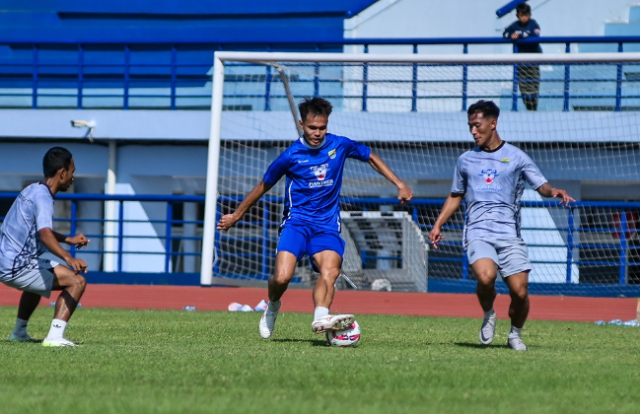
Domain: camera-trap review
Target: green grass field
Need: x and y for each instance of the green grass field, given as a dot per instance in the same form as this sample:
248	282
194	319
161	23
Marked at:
210	362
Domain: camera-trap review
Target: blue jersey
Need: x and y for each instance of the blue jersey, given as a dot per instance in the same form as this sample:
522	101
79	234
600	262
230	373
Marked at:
314	179
531	29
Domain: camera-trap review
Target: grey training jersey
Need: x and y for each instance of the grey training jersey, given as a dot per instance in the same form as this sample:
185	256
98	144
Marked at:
19	241
493	183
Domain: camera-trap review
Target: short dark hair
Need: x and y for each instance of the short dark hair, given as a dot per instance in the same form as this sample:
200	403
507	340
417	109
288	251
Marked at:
486	108
54	159
316	106
523	8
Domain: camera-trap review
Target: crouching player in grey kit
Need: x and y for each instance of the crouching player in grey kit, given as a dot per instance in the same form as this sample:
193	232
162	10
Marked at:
26	233
492	177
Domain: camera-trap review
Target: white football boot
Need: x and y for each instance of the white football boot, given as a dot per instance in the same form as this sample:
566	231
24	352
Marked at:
488	330
516	344
57	342
268	322
332	323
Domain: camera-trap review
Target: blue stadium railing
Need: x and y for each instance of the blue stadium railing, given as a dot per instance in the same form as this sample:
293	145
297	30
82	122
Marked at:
36	72
621	259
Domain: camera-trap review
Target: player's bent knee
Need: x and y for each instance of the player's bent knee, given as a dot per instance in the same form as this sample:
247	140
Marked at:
281	278
330	275
65	277
330	271
80	281
486	280
519	294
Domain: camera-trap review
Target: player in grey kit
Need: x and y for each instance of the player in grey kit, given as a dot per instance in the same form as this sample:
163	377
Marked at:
27	232
492	176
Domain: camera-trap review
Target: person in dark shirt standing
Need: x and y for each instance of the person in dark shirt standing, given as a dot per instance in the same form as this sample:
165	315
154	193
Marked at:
528	75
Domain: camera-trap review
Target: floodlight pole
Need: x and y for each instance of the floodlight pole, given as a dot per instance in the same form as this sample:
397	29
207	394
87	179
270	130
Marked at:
213	157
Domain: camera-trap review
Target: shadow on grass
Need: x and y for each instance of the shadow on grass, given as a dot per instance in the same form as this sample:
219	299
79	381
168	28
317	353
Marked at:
478	346
313	342
32	341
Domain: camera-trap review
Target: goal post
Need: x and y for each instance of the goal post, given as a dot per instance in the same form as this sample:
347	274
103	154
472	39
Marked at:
414	118
213	156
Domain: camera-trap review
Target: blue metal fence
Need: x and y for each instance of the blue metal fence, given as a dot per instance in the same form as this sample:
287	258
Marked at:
622	257
81	77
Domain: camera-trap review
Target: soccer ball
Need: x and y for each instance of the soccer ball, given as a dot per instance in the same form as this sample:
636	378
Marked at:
346	338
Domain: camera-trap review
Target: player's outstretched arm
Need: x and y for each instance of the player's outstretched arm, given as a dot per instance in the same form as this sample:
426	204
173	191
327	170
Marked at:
451	205
547	190
404	192
51	241
229	220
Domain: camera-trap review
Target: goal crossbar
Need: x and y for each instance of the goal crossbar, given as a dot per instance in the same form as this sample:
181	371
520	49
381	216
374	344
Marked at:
263	57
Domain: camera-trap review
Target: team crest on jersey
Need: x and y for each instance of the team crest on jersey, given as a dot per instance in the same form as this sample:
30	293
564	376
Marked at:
489	175
332	154
320	171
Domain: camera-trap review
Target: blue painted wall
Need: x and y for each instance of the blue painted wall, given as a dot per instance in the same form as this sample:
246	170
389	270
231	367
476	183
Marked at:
44	40
171	21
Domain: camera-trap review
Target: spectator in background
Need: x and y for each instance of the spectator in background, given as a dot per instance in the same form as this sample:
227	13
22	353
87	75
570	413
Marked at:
528	75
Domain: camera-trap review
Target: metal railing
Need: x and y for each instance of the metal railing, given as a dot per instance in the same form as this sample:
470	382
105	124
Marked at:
80	74
617	247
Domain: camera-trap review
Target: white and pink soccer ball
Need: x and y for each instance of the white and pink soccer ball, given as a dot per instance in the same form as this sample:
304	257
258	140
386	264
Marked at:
345	338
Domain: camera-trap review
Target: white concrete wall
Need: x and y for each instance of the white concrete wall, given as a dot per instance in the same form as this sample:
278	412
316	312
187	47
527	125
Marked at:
170	127
465	18
141	170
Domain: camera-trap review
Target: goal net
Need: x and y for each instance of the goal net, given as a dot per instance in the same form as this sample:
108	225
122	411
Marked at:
411	111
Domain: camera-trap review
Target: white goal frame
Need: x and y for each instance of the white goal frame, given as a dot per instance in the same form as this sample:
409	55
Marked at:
269	58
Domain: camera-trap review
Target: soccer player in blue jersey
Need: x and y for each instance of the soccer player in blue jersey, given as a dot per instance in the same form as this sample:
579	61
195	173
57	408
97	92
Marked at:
27	231
313	166
492	176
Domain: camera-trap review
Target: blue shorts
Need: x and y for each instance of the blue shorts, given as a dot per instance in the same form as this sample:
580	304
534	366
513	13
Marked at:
299	240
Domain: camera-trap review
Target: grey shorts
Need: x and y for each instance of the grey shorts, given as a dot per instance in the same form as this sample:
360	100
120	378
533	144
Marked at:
511	255
36	277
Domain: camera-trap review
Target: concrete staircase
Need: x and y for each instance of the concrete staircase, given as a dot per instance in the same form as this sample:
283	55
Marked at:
390	235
